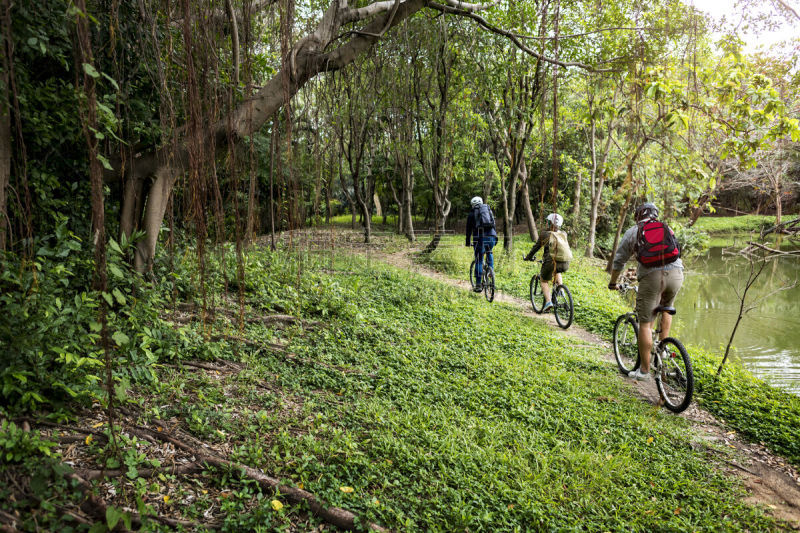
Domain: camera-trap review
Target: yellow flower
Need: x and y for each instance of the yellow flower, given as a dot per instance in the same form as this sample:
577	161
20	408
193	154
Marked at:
276	505
166	498
649	440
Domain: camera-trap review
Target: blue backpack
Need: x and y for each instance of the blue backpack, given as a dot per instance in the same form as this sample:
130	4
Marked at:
484	218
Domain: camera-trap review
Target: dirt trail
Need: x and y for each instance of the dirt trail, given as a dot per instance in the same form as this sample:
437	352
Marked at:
769	479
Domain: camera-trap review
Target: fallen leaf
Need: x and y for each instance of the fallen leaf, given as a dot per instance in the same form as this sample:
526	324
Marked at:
677	511
300	485
89	440
166	498
97	425
346	490
276	505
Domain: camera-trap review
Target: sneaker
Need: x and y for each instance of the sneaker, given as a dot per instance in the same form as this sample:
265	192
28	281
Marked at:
639	375
478	288
547	306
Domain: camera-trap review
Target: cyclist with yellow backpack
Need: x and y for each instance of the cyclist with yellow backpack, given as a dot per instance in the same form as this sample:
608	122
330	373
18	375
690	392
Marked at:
556	255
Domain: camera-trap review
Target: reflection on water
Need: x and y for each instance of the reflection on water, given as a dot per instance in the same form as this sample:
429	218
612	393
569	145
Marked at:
768	338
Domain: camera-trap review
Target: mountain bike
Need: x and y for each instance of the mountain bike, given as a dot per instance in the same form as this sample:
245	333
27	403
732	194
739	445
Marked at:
669	361
487	276
563	307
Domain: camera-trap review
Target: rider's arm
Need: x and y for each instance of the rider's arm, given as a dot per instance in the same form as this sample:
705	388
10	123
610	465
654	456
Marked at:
624	252
535	248
470	224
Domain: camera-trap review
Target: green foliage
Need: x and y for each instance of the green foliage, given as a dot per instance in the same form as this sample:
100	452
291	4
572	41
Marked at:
442	396
758	411
16	444
691	239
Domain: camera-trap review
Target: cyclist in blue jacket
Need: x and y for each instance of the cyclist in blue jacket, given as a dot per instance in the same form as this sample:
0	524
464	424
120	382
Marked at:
481	225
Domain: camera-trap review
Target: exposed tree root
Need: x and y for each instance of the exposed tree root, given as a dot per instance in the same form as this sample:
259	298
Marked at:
333	515
183	470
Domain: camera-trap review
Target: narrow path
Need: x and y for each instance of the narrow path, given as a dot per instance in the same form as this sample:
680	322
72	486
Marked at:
769	479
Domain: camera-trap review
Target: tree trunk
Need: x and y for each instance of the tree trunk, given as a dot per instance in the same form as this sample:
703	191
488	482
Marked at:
526	203
488	181
5	160
778	201
576	203
408	193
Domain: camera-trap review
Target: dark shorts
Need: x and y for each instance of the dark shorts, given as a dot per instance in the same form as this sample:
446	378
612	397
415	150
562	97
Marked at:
549	265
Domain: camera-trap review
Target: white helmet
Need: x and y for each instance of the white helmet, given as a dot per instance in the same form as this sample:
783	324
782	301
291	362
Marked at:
476	201
555	219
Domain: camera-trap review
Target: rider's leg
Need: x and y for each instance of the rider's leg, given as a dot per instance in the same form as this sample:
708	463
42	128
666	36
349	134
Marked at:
666	322
546	290
548	268
645	343
478	262
558	279
491	241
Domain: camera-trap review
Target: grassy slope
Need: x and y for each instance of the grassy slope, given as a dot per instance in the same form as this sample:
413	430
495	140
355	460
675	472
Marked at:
445	413
440	411
760	412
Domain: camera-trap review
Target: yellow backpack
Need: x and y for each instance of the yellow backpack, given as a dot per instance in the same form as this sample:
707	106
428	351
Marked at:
559	247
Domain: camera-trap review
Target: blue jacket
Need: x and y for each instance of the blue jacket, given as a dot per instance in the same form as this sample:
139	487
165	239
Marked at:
472	227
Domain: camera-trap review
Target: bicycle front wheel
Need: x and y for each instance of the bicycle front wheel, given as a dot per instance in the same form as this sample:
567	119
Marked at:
674	378
537	296
472	279
562	306
488	284
626	346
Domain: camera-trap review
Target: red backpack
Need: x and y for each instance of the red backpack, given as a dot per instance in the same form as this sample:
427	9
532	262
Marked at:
656	244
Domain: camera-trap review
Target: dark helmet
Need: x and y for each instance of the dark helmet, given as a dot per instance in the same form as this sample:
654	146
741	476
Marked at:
646	210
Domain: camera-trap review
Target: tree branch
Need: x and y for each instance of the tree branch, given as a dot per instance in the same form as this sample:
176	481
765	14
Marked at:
512	37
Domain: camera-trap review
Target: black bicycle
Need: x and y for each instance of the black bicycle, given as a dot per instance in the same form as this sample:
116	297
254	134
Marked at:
669	359
487	276
563	307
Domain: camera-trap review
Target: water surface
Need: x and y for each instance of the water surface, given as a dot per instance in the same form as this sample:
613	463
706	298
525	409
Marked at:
768	338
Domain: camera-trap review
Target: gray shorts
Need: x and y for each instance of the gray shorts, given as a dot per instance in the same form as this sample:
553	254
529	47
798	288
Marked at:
659	287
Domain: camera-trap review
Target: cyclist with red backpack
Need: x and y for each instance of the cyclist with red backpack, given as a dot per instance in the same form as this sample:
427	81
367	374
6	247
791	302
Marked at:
660	275
480	223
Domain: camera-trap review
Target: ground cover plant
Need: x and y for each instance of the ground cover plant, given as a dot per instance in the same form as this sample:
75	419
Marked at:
757	410
413	404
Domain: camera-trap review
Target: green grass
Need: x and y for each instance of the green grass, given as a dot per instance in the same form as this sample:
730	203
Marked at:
760	412
448	414
391	220
440	411
738	224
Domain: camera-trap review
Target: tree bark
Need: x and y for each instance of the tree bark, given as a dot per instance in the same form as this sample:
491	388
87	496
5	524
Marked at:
5	160
5	128
576	203
526	202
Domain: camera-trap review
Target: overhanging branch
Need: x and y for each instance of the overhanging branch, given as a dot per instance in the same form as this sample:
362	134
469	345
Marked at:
512	37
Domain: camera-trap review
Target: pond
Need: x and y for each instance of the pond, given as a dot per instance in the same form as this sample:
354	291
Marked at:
768	338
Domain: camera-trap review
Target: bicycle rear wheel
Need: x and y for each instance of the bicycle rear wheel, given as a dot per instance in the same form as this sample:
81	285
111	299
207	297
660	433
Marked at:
472	274
562	306
488	283
536	294
626	346
674	379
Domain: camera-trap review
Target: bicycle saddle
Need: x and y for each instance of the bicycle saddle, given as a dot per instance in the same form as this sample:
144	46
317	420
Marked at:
665	309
